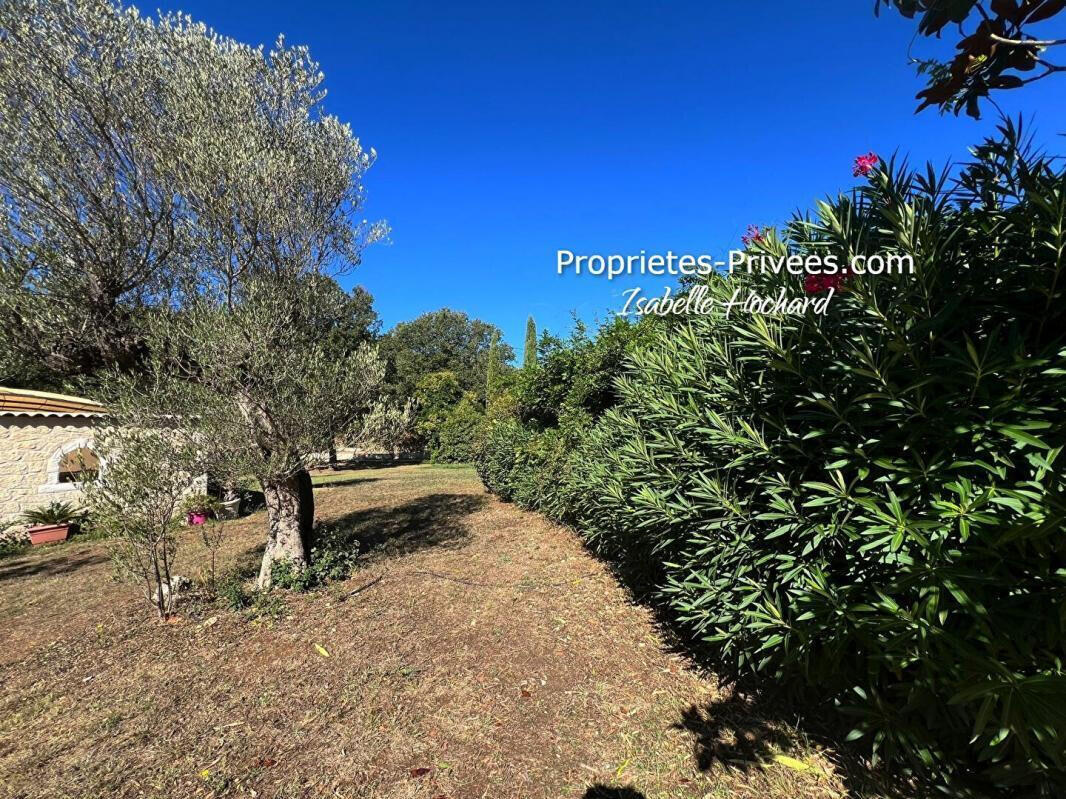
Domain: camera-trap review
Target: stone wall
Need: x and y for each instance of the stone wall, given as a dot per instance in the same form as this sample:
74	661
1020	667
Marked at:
30	449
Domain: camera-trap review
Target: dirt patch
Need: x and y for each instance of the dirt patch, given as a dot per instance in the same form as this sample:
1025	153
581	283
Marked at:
479	652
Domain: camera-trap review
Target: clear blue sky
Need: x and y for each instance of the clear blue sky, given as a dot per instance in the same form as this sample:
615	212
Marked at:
507	132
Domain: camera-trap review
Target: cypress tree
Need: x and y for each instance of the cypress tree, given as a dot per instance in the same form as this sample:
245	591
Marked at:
492	369
529	358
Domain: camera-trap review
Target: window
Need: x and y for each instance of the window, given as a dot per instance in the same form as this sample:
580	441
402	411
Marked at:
69	465
81	464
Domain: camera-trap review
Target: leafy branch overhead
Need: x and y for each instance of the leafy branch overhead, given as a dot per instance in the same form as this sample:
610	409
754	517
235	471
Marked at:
1001	52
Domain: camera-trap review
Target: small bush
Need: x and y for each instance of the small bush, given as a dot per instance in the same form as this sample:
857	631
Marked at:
499	455
230	589
12	545
457	436
334	555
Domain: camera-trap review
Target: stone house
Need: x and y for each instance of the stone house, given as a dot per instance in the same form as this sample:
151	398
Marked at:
46	445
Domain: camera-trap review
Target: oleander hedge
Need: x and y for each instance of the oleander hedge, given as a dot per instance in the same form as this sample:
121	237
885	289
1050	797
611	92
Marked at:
870	505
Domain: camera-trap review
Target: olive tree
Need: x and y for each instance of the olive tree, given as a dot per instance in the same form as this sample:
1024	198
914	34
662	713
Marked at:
150	468
194	190
264	390
92	229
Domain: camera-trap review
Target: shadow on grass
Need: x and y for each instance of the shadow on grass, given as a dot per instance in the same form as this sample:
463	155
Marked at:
728	732
744	733
358	465
753	720
433	520
19	568
328	481
609	792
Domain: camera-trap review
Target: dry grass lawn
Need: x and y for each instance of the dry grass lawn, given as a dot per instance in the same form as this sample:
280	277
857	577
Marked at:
479	651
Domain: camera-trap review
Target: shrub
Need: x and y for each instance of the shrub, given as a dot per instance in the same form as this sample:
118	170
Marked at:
232	592
54	513
499	454
13	540
436	394
138	503
457	435
526	448
871	503
334	555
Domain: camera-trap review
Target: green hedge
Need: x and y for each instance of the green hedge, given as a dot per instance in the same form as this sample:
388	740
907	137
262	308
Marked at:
871	503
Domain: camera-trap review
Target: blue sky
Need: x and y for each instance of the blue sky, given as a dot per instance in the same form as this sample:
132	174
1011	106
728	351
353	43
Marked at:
507	131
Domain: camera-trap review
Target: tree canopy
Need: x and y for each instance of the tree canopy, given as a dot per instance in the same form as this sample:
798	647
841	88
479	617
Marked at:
441	341
999	52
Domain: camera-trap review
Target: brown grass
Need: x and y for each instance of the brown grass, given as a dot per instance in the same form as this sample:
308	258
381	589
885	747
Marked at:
479	652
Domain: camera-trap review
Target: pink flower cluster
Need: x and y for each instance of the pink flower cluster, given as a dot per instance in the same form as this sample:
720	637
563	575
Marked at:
865	164
816	284
753	234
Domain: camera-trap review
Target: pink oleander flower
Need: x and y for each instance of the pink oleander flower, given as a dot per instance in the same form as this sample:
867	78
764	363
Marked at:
816	284
753	234
865	164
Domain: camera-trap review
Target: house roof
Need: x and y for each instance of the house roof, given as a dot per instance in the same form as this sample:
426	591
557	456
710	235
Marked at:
20	402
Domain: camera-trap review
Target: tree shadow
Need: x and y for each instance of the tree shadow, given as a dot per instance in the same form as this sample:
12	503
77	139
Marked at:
19	568
434	520
609	792
730	732
744	733
343	481
371	462
753	719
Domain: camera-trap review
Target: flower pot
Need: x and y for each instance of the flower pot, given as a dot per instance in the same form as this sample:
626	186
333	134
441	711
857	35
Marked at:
196	517
230	508
48	533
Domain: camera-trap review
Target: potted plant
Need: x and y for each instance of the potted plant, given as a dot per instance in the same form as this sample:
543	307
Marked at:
230	506
52	523
199	508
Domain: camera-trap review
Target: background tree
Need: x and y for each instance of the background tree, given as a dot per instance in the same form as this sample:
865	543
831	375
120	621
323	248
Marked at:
529	354
357	323
439	341
1000	52
437	393
494	370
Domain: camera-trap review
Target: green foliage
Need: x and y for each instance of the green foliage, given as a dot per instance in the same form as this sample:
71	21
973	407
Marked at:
54	513
495	370
532	429
435	396
1001	52
334	555
231	591
870	504
529	353
458	435
500	455
12	545
440	341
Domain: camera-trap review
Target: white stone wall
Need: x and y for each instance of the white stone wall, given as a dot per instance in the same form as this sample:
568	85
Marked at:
30	448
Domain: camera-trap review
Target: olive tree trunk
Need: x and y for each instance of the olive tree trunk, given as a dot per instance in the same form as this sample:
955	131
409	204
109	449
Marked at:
290	507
